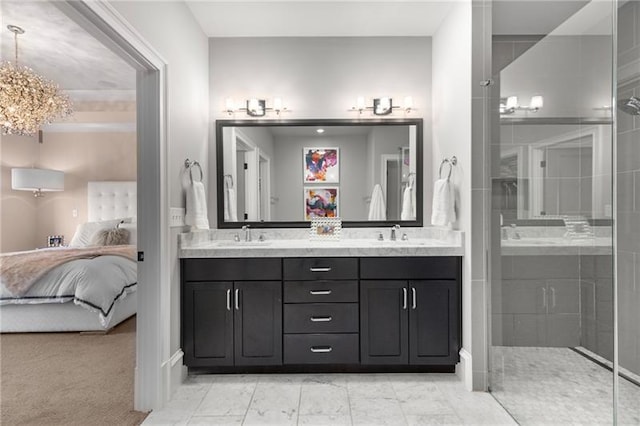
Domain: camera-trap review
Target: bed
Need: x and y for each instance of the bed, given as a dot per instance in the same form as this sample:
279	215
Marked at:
90	288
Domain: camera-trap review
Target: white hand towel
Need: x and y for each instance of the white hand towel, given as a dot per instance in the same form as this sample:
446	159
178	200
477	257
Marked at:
196	214
377	208
408	211
230	205
443	203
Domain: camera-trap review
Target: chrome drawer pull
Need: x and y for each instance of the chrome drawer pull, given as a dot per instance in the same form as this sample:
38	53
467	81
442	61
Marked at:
321	319
321	349
320	292
237	299
228	299
319	269
414	304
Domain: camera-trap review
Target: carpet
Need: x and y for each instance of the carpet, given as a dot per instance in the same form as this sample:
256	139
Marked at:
69	378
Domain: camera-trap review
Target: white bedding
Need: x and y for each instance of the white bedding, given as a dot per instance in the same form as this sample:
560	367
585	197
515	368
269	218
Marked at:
96	284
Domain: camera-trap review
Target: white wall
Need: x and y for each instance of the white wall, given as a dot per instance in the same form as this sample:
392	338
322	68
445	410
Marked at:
568	71
452	133
321	78
170	29
352	188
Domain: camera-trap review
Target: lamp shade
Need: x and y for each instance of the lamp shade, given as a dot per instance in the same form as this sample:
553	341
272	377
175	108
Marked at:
37	180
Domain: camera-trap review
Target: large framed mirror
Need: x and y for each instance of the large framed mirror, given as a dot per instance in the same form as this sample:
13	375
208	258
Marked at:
555	168
284	173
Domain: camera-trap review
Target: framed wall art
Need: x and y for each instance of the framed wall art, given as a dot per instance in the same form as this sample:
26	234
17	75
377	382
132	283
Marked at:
320	202
321	165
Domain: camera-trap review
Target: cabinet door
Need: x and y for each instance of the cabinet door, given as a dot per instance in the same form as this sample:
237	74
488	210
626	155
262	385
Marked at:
258	323
383	322
433	322
207	338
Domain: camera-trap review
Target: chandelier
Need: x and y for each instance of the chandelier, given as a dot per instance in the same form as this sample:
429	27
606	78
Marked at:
27	100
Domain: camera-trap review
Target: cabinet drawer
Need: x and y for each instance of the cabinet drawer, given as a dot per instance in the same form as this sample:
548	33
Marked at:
239	269
408	268
321	349
321	318
321	268
320	291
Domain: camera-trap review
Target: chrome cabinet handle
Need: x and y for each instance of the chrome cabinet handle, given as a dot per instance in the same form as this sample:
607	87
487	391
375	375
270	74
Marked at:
320	292
414	303
321	349
404	298
544	297
228	299
553	297
318	269
321	319
237	299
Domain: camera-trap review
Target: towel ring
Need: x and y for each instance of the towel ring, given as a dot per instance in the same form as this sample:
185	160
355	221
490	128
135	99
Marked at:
189	165
445	161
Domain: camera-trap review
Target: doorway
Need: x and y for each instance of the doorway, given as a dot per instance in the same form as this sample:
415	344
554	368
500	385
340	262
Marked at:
103	22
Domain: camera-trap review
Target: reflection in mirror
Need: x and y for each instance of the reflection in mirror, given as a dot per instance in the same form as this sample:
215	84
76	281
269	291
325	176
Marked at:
285	173
552	170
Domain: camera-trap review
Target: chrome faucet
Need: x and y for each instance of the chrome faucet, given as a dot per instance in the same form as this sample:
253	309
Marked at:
247	232
394	228
514	232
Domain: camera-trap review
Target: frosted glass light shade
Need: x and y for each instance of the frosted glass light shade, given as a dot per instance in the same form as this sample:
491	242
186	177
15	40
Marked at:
537	102
42	180
512	102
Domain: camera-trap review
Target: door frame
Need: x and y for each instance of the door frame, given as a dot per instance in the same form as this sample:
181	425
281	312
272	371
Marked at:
154	363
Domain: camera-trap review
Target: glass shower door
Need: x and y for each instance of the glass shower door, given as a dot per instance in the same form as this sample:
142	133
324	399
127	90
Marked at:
552	287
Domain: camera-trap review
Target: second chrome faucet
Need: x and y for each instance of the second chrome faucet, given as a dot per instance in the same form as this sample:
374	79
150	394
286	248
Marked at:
394	228
247	232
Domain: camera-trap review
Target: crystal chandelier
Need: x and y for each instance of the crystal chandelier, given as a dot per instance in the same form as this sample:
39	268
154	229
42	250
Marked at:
27	100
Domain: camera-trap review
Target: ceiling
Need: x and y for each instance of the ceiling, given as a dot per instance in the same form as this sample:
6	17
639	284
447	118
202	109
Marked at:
313	18
59	49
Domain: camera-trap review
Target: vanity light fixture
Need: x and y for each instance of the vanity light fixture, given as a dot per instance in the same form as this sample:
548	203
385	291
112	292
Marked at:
255	107
510	105
382	105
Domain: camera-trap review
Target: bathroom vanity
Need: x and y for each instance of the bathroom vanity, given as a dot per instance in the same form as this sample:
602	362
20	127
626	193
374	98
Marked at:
353	305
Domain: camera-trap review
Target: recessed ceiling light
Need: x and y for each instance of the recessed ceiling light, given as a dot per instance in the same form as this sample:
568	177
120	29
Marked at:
320	130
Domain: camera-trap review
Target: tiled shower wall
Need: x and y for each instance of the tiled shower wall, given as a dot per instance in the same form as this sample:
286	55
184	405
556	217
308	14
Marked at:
628	187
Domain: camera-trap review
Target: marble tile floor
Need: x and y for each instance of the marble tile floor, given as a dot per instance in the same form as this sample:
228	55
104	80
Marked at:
557	386
328	399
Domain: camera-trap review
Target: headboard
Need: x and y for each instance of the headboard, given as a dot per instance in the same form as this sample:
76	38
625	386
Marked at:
111	200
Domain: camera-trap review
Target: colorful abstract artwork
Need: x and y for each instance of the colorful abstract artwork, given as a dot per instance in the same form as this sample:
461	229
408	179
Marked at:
320	202
321	165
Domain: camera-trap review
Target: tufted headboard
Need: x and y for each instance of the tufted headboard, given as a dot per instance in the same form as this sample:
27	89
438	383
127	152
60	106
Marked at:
111	200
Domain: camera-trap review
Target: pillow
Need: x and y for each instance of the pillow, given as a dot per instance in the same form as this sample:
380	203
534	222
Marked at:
86	231
133	232
111	237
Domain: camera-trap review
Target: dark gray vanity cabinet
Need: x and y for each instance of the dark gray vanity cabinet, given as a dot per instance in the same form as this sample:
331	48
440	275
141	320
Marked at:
349	314
207	323
231	312
413	320
321	311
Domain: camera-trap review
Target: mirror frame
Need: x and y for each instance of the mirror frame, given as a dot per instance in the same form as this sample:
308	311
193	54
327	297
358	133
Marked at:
221	124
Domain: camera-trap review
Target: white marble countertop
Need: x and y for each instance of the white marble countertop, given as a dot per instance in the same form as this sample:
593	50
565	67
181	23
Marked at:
296	243
551	246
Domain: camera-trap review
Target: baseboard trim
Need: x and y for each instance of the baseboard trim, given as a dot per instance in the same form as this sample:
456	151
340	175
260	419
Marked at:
174	373
464	369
